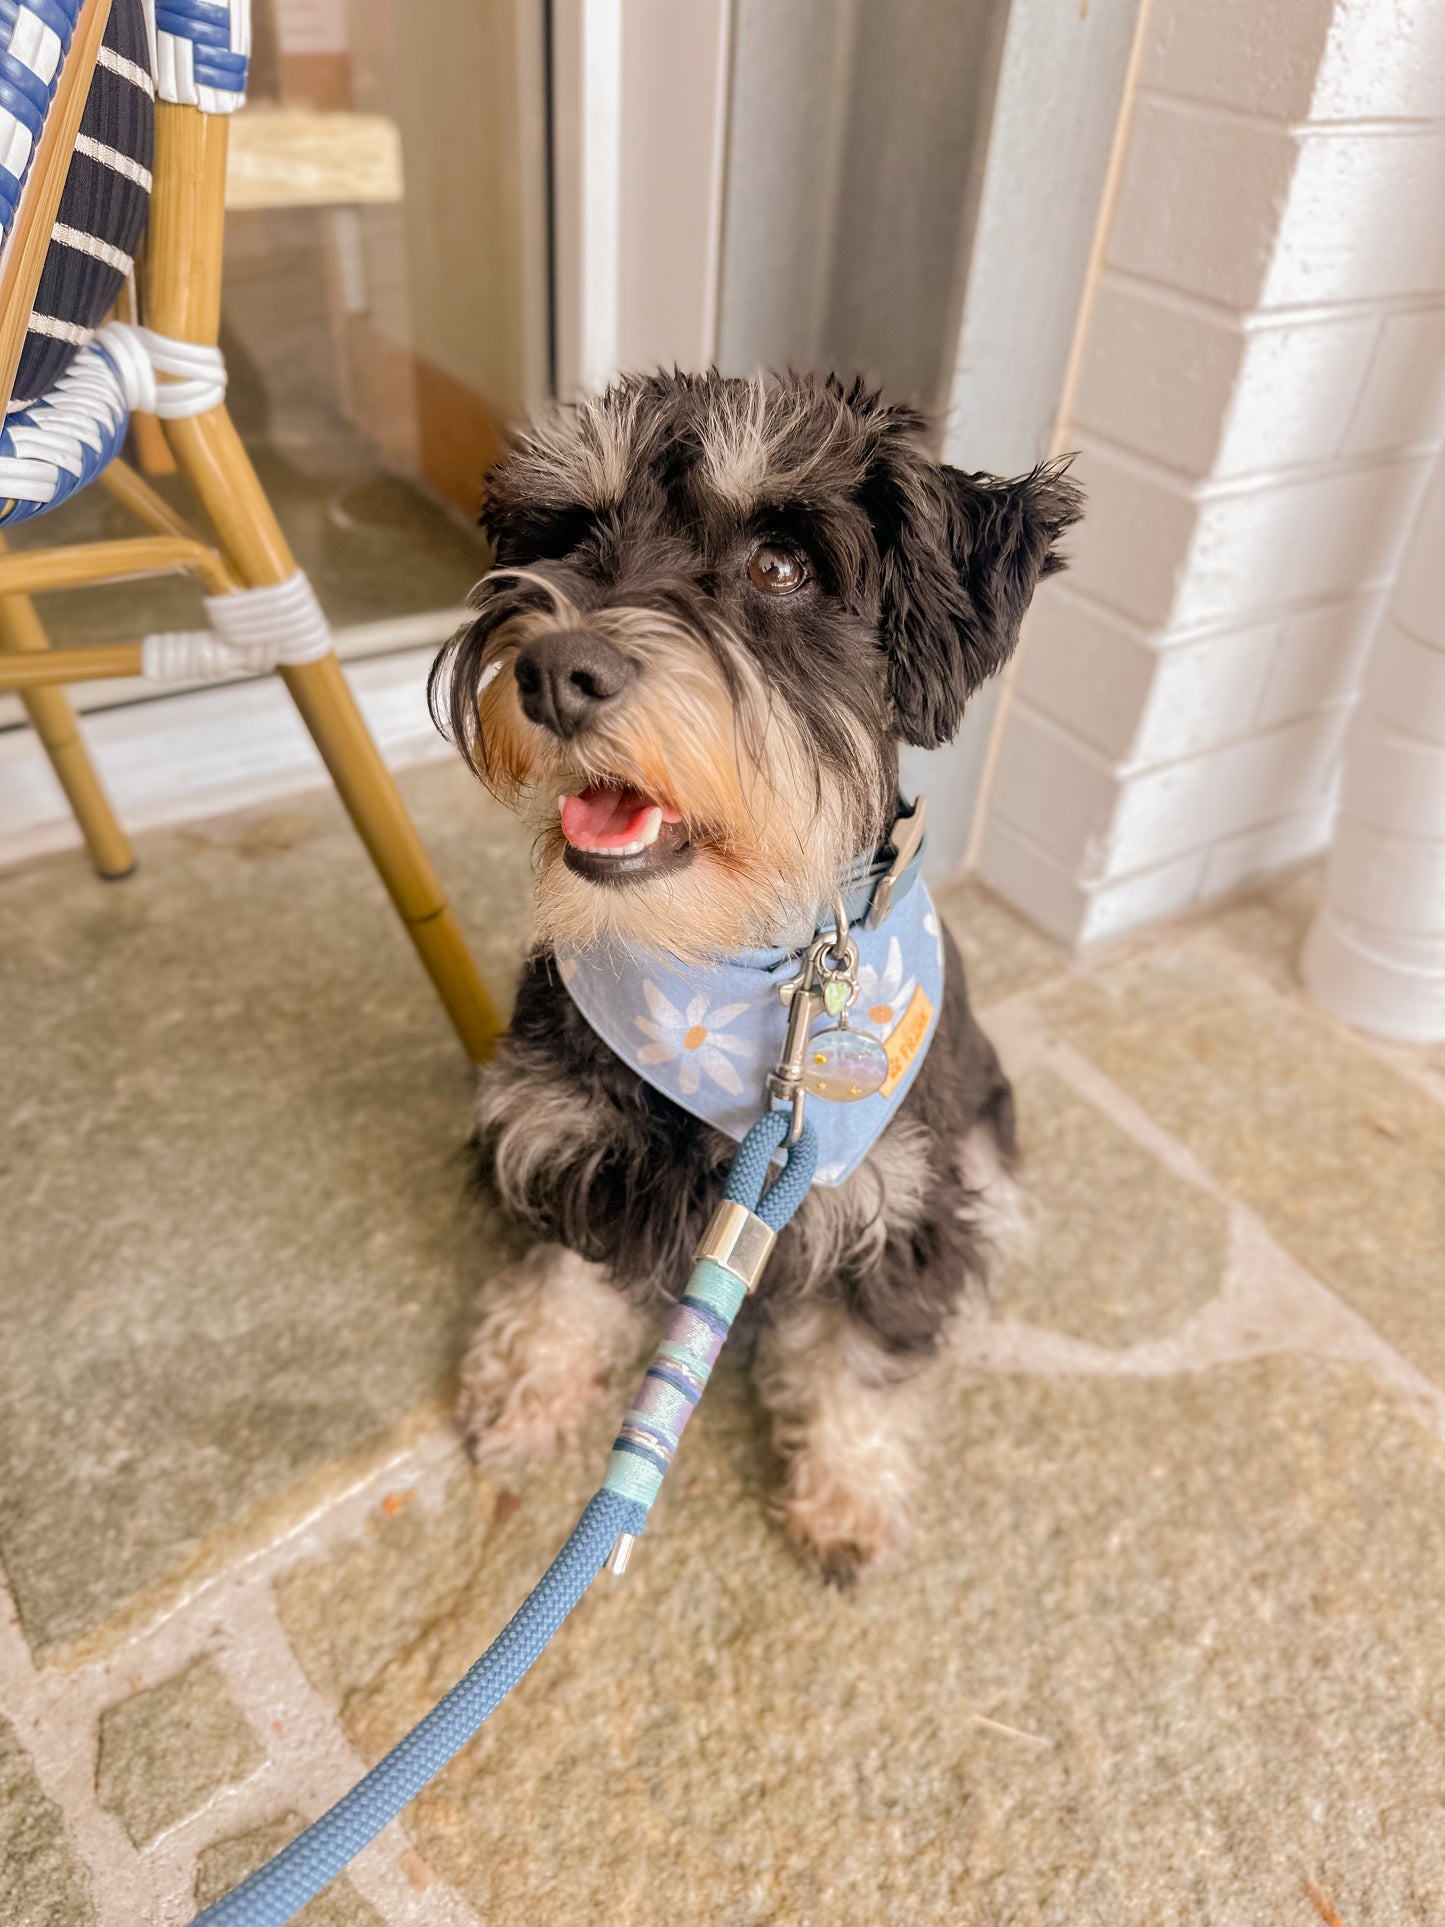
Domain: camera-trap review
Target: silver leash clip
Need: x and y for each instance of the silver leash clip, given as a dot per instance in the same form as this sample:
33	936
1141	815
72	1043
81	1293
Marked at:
826	983
785	1083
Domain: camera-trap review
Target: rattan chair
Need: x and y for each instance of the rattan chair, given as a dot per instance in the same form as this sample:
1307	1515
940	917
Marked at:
75	197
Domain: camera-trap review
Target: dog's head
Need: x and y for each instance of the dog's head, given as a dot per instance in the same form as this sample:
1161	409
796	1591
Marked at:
718	607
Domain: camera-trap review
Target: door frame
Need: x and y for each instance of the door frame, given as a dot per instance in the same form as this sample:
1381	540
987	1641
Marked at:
639	154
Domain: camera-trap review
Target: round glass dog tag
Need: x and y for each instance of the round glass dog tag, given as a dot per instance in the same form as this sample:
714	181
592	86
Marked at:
844	1065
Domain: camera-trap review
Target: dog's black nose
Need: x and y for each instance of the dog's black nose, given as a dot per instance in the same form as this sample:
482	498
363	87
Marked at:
565	678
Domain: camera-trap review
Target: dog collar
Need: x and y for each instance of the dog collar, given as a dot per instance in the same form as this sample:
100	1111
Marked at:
872	886
707	1035
885	875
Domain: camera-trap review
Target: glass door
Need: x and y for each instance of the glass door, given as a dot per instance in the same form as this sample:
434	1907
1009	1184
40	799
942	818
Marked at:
385	312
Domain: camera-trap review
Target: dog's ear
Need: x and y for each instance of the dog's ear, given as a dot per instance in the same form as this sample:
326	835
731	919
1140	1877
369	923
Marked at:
961	556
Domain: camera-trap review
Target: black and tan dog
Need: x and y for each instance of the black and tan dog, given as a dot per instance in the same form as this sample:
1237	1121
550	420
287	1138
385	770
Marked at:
718	608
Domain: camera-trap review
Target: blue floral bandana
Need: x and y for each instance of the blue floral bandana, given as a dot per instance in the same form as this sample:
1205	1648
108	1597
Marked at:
707	1035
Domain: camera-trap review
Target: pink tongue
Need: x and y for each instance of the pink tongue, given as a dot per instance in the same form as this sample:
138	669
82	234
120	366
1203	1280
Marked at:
605	816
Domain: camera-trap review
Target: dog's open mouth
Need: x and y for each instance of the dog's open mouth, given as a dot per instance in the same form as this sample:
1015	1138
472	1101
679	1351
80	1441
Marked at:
618	834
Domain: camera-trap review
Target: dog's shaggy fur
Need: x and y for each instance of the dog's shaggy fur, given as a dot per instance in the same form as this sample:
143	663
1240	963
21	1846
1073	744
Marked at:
633	634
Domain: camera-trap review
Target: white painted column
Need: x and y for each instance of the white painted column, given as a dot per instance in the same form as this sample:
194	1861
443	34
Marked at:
1060	89
1376	954
1259	403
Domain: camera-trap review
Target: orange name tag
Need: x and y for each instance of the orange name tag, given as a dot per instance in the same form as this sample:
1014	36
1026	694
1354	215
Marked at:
905	1040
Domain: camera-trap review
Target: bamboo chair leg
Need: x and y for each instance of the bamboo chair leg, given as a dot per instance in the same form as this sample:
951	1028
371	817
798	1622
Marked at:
152	451
212	455
54	722
183	298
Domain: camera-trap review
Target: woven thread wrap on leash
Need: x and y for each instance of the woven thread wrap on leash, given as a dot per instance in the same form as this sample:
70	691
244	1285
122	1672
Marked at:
730	1261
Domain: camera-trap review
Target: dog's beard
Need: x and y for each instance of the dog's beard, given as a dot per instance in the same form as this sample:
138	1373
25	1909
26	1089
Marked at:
768	826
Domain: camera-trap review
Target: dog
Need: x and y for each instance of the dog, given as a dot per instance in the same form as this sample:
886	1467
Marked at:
717	609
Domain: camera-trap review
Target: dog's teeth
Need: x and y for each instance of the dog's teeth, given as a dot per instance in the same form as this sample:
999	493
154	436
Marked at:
651	829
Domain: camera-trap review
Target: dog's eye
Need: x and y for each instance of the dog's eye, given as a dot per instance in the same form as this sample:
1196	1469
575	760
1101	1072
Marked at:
775	571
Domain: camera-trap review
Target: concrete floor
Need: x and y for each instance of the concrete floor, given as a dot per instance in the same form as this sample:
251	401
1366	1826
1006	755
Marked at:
1168	1649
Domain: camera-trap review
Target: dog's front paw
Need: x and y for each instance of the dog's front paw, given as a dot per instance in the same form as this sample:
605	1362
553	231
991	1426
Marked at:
843	1520
509	1408
541	1357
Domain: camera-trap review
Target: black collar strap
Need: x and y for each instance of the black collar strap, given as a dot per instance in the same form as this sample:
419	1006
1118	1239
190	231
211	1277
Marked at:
884	876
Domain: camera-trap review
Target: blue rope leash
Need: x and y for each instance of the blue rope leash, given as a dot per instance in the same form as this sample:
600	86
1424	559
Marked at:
670	1389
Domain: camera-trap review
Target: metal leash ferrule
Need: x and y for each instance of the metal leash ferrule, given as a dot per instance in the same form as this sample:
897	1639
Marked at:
740	1240
738	1244
759	1200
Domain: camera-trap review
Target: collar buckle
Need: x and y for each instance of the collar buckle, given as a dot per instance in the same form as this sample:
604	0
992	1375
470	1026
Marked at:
905	836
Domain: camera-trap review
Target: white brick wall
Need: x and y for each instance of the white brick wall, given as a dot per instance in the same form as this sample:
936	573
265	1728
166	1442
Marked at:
1260	398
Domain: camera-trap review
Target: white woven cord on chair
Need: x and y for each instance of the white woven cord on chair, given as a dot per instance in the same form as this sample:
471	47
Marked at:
254	630
200	51
63	441
56	445
142	354
59	443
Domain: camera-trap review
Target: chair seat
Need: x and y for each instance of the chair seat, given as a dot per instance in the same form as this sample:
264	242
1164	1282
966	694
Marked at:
55	445
58	443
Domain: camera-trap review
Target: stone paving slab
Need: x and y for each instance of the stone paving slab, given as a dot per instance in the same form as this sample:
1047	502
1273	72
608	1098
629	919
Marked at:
347	1616
1265	929
1119	1249
223	1077
1342	1157
1168	1646
1172	1646
42	1883
1002	953
165	1751
238	1239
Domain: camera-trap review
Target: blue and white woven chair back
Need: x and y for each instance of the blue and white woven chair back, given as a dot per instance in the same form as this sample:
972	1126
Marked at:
201	52
77	380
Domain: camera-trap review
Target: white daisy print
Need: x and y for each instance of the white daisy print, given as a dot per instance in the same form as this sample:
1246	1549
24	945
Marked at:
698	1037
883	995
